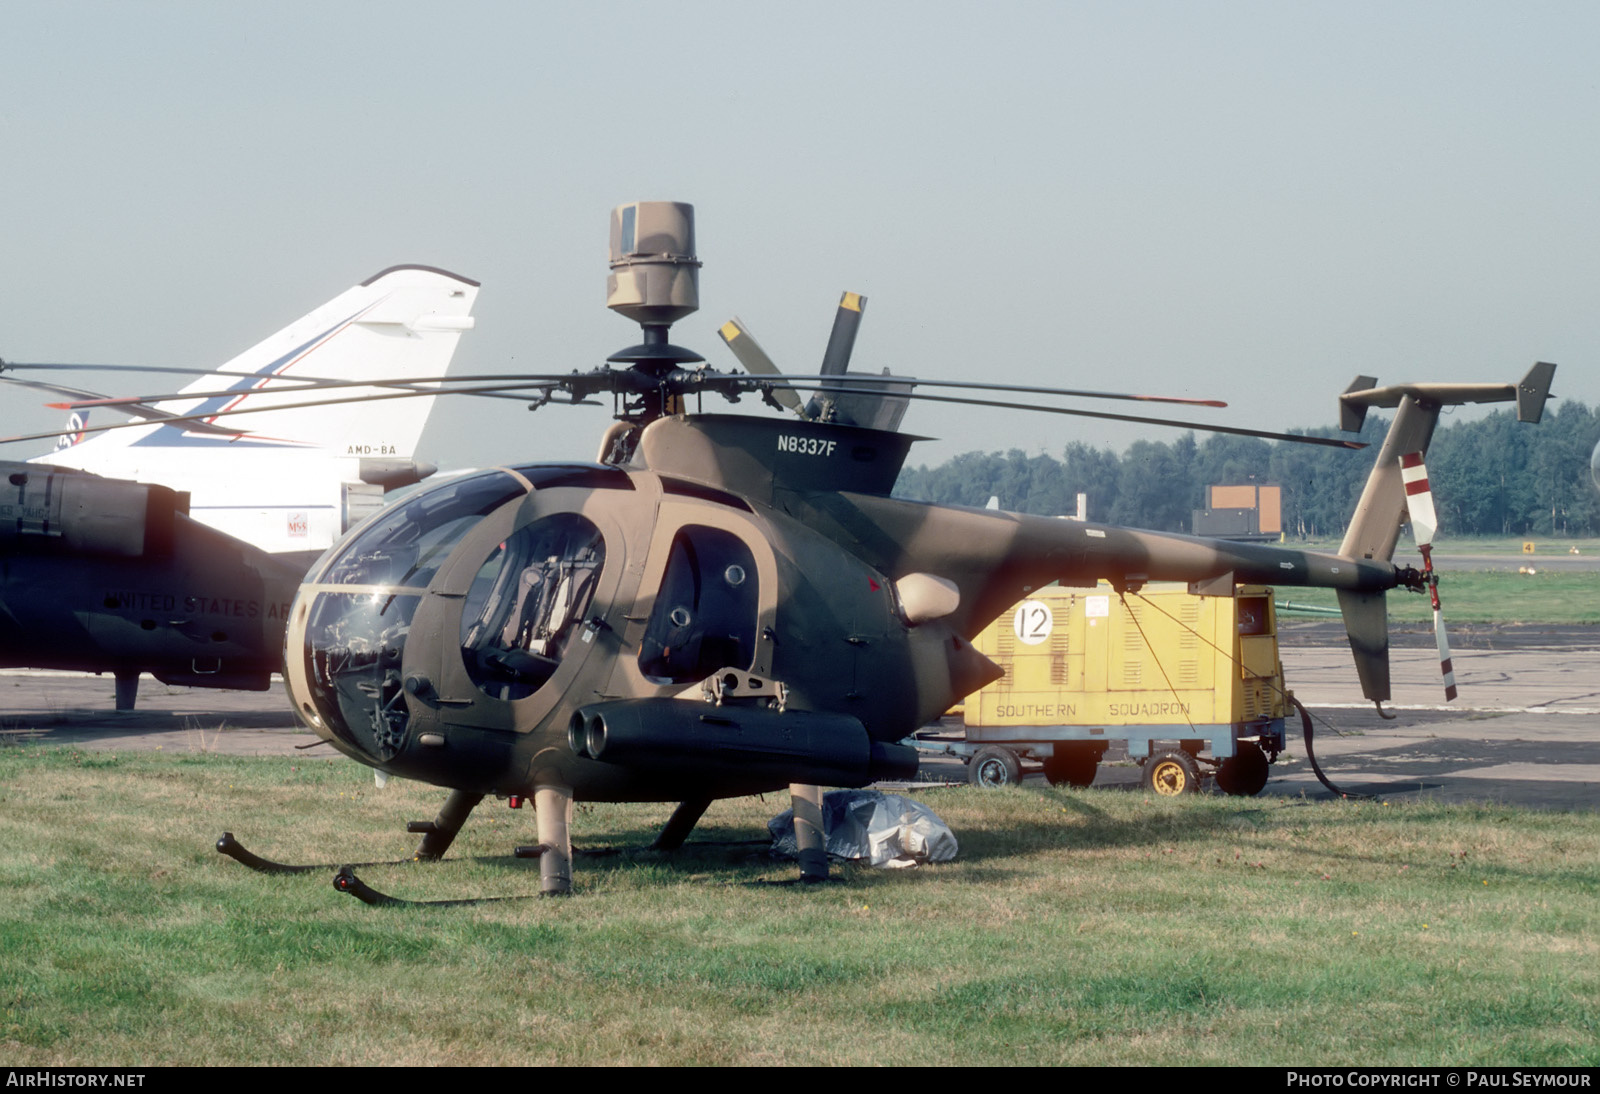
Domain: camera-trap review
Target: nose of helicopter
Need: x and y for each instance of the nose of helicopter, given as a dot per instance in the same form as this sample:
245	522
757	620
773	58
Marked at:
351	620
352	691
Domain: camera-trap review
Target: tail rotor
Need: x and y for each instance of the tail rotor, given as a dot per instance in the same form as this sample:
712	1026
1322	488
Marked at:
1424	524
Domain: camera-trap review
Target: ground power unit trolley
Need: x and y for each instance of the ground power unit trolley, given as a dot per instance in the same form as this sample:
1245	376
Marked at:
1190	684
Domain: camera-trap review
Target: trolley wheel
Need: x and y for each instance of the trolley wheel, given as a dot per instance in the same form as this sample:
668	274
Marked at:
1244	773
1074	764
1171	773
994	766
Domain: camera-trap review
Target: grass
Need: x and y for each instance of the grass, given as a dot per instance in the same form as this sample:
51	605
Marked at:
1076	927
1544	547
1487	596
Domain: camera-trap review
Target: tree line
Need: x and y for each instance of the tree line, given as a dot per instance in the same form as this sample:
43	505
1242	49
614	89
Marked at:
1492	476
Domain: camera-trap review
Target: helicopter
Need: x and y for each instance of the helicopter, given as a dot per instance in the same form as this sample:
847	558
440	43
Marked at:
722	605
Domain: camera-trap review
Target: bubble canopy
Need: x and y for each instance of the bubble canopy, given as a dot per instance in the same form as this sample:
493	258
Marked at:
355	636
404	545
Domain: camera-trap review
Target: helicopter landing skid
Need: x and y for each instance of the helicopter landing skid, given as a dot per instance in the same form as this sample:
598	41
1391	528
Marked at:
809	831
346	881
235	850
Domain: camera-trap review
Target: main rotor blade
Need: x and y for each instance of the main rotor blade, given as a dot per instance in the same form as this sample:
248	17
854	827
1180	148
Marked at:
836	358
208	417
624	381
866	380
309	382
1294	438
53	389
90	398
757	366
842	338
306	384
7	366
755	359
136	404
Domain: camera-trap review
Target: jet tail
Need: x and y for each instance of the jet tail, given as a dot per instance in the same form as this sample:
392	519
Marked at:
290	480
397	327
1375	527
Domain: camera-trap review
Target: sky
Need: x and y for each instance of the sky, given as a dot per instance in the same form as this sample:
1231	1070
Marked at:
1246	201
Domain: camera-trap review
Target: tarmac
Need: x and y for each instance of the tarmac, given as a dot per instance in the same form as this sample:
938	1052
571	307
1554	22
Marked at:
77	710
1525	729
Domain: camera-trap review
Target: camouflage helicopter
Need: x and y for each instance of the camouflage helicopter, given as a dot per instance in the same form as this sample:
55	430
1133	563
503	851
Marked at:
724	605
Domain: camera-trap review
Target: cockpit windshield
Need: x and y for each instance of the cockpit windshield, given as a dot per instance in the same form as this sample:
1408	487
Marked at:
355	640
406	543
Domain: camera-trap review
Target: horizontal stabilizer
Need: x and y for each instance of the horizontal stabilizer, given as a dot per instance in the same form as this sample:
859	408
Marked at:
1530	395
1375	527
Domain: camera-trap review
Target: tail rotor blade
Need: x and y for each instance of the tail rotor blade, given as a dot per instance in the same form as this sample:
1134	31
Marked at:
1425	525
1446	666
1419	498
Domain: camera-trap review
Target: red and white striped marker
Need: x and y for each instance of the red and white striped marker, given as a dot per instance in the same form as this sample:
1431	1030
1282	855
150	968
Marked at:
1424	524
1419	499
1446	668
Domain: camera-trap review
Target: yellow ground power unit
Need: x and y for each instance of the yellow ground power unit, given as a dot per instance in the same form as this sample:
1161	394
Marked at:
1188	683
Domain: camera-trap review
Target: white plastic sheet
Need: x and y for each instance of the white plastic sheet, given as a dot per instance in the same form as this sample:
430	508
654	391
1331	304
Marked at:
884	829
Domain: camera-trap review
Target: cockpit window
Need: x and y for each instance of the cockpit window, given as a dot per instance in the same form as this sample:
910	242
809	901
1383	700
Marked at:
408	542
353	648
355	640
528	602
706	612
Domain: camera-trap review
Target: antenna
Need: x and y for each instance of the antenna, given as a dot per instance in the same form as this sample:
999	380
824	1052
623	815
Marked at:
655	279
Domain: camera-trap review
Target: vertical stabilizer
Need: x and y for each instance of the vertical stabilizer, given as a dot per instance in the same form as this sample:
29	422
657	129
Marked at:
1375	527
1366	621
1533	391
400	325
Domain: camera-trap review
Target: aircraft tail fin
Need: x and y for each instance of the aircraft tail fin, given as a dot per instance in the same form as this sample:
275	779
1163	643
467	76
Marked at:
72	434
1375	526
395	329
